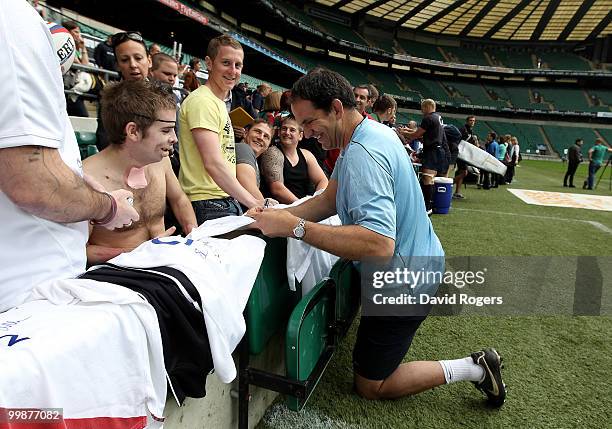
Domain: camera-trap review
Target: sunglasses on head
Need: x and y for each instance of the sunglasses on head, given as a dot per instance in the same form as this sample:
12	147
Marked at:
119	38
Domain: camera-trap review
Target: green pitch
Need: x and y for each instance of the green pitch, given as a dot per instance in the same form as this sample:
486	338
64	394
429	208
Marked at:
557	367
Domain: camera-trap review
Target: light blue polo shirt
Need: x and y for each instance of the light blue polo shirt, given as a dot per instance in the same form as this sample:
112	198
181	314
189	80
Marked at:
379	190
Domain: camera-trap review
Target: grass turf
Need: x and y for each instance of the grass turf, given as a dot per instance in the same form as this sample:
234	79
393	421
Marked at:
556	366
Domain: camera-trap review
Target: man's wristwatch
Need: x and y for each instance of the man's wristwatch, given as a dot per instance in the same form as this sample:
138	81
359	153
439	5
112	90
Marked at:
299	230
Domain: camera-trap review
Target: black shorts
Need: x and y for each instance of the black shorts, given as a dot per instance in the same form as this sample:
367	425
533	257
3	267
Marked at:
453	159
436	159
461	167
382	342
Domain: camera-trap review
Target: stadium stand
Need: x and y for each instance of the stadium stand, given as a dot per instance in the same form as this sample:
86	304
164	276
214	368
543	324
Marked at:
606	133
481	128
87	143
387	81
476	94
564	61
518	96
386	44
296	13
434	89
519	60
355	75
340	31
327	27
528	135
403	118
254	82
299	58
568	99
563	137
413	86
541	106
421	50
603	96
467	56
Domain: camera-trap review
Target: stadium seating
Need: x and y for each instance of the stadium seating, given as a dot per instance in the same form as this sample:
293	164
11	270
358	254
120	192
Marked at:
380	43
541	106
421	50
254	82
481	129
355	75
518	96
563	137
314	326
435	90
604	96
519	60
414	85
568	99
606	133
403	118
467	56
386	82
296	13
340	31
297	57
531	136
476	94
528	135
327	27
564	61
317	325
87	143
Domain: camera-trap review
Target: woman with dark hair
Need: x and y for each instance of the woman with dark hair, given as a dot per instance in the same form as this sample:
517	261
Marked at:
131	54
133	62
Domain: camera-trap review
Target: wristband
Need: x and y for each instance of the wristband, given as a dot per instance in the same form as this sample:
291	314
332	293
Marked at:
110	216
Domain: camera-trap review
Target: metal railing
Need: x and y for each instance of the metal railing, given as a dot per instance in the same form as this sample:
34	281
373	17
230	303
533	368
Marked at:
106	75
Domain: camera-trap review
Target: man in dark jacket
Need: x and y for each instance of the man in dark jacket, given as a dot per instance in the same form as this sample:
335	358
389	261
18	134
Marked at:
467	134
573	161
105	56
238	98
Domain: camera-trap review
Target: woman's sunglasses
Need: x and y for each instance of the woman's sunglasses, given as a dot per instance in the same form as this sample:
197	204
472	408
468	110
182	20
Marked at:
119	38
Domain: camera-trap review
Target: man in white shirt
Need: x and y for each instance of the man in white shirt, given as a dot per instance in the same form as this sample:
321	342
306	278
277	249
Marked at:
44	200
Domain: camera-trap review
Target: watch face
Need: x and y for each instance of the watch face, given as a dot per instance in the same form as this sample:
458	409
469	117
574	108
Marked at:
299	232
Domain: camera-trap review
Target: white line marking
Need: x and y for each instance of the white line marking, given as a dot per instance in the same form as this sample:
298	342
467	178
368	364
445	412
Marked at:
599	226
594	224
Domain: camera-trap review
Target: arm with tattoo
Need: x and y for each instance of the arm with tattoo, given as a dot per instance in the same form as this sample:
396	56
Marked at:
272	162
37	180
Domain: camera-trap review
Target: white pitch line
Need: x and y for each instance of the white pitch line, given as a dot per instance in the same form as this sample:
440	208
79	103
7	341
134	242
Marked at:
599	226
593	223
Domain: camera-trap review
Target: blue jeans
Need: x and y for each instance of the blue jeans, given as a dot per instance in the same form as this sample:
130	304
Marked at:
215	208
593	167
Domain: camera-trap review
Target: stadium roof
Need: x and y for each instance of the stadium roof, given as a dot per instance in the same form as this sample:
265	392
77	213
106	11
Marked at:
511	20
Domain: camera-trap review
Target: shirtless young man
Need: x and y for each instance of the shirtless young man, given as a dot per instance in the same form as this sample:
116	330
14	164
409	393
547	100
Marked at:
139	118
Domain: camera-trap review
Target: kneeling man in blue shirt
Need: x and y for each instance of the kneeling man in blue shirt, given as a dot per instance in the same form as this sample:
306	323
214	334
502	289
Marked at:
375	192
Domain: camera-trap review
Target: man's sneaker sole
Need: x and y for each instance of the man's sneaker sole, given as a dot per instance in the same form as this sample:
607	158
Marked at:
492	385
